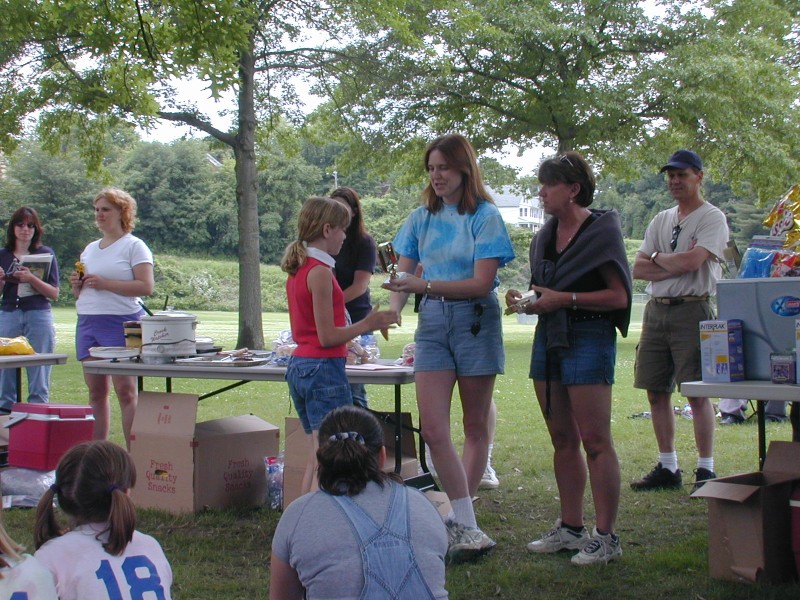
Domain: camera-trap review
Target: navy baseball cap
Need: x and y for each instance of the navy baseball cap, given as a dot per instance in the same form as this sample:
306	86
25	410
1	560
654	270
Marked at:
683	159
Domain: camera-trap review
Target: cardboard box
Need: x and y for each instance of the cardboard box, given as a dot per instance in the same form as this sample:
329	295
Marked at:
722	351
296	453
40	434
183	466
749	520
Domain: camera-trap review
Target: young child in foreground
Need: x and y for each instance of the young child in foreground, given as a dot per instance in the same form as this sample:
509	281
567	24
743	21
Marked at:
100	555
22	577
316	371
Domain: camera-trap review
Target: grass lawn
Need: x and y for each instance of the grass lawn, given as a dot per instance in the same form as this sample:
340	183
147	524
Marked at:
224	554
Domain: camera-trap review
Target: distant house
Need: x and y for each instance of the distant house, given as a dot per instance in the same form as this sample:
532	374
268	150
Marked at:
519	207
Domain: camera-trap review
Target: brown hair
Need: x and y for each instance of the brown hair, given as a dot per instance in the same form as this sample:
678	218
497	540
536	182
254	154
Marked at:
350	440
124	202
24	214
315	214
569	168
460	155
92	483
356	230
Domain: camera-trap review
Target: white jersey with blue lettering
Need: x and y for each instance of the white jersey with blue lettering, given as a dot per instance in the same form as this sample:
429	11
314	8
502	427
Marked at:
83	569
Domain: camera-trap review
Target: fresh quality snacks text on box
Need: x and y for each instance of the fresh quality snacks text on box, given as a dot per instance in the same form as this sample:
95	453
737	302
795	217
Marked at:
722	351
183	466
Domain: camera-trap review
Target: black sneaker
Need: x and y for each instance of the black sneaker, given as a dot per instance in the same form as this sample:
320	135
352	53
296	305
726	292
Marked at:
775	419
659	478
701	476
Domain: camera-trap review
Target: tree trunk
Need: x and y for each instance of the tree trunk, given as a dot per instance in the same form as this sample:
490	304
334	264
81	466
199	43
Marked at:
251	331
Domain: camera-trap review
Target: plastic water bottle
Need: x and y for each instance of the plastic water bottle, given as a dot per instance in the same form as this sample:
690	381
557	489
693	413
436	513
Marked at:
274	466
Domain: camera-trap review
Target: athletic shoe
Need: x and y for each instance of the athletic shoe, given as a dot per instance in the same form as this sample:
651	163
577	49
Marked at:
731	420
560	538
660	478
775	418
601	550
701	476
465	543
489	481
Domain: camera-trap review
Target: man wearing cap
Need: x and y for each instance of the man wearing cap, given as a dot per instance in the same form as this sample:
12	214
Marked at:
679	257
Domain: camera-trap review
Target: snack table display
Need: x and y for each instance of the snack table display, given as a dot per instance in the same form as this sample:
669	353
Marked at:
19	361
380	373
758	390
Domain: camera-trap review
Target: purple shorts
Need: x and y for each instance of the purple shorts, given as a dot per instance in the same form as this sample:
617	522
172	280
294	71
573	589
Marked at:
100	330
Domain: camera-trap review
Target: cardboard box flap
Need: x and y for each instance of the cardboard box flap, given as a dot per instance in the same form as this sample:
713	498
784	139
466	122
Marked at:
721	490
749	574
229	425
783	457
170	415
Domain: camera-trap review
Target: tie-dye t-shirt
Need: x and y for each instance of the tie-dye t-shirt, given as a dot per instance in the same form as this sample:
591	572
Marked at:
448	244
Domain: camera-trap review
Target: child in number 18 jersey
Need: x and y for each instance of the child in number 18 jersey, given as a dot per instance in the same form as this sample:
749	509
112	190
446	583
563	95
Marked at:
100	555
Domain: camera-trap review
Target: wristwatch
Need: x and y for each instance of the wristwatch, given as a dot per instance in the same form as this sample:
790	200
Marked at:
653	256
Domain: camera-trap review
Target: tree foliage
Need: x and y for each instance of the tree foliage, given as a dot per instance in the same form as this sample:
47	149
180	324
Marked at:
611	79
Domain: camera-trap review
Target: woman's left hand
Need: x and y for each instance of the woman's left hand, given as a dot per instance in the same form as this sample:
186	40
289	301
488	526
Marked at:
93	282
406	283
23	274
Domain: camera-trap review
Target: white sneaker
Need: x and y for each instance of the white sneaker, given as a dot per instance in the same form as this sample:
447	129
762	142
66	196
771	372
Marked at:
601	550
559	538
489	481
465	543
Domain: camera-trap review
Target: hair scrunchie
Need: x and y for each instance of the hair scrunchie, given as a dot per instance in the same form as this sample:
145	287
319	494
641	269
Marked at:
341	436
110	489
55	489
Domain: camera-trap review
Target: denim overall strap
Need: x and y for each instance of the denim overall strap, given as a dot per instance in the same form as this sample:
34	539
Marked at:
387	556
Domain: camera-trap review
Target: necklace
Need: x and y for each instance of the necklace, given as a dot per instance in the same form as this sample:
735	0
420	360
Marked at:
567	243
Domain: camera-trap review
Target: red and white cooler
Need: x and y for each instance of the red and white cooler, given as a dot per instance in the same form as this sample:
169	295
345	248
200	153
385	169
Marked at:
40	434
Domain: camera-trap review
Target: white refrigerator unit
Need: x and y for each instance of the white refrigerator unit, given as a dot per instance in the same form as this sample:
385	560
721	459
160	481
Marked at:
768	308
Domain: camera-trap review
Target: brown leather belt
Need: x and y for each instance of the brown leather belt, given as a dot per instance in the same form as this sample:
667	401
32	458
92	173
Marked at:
678	300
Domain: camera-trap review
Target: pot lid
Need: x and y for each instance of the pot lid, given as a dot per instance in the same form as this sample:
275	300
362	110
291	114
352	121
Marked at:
170	315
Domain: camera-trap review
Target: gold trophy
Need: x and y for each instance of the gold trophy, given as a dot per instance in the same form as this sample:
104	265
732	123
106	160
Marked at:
388	260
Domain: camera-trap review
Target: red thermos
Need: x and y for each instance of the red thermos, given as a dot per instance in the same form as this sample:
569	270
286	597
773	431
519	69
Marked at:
794	506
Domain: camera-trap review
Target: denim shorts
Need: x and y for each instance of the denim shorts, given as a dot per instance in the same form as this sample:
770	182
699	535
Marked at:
101	330
589	359
317	386
465	336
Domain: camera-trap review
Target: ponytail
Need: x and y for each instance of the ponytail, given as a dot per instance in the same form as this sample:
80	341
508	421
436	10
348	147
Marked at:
45	526
121	521
293	257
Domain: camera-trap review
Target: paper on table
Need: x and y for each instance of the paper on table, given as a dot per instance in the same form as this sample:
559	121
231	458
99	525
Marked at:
372	367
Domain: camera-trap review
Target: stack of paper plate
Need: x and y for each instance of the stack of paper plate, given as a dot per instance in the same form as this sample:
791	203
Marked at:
113	352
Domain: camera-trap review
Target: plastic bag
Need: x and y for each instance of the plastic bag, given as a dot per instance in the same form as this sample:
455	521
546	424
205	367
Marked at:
17	345
23	487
